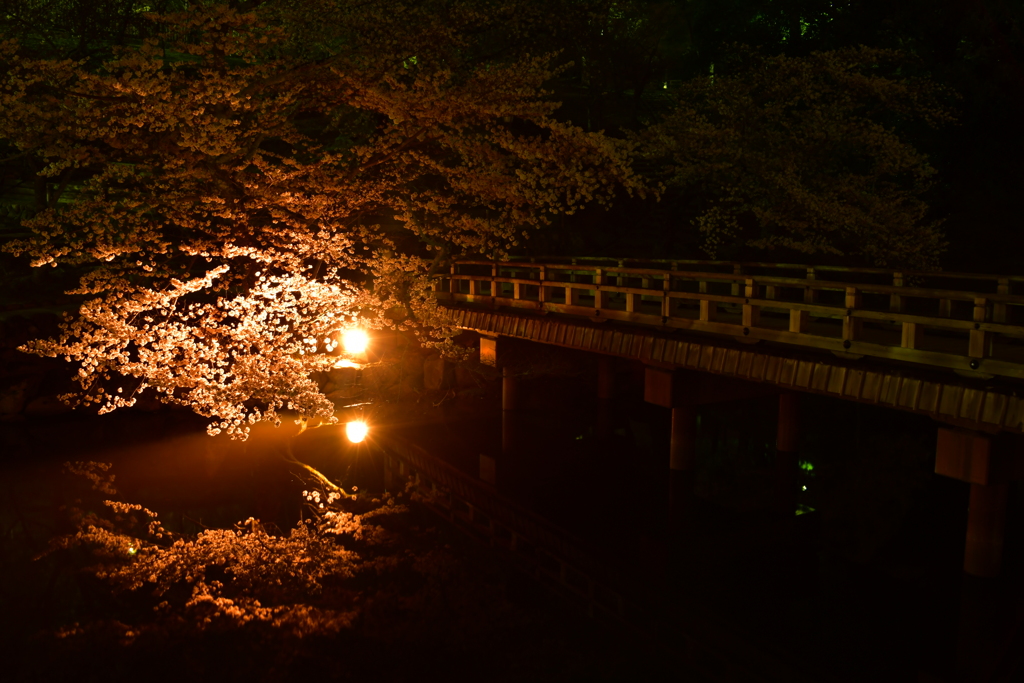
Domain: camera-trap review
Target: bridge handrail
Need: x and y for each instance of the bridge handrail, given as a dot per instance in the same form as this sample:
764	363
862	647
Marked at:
577	260
589	290
767	280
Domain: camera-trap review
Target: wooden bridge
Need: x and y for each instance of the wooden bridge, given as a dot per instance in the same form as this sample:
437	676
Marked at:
947	345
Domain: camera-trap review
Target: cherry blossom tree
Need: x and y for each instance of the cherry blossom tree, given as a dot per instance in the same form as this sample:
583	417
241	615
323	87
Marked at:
239	186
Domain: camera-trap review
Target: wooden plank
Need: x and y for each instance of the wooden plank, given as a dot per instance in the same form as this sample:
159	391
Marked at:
910	391
820	376
963	455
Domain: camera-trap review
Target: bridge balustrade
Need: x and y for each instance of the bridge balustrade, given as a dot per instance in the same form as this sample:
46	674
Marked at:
968	324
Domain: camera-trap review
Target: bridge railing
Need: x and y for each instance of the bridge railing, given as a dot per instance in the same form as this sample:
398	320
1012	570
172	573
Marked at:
979	282
959	326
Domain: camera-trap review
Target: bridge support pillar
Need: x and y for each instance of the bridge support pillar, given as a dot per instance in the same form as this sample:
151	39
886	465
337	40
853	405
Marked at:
509	389
988	463
680	392
511	422
488	351
786	448
986	522
502	471
682	462
605	390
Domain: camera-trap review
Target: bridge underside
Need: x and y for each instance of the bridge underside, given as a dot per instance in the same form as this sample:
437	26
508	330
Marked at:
965	402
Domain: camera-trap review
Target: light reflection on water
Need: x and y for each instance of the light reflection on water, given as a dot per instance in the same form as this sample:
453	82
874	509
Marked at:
166	461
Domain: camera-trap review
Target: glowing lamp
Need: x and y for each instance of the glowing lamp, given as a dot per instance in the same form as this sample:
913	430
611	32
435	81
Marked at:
354	341
356	431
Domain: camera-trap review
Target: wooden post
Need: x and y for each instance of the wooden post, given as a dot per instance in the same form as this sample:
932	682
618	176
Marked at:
999	310
599	296
735	289
677	391
605	389
682	462
489	351
708	310
666	299
544	293
986	522
453	284
913	334
810	295
988	464
798	320
512	435
978	347
851	324
786	440
896	300
751	312
509	389
605	378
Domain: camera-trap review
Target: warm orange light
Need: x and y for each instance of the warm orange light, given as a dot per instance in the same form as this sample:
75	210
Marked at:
356	431
354	340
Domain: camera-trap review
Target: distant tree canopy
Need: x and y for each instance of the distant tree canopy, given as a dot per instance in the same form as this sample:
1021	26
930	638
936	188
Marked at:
240	185
802	154
630	56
